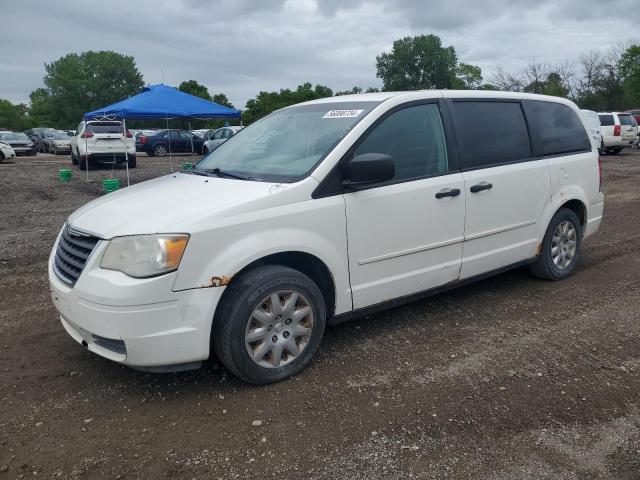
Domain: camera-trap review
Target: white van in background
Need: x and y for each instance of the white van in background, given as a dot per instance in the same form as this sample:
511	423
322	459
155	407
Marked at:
245	256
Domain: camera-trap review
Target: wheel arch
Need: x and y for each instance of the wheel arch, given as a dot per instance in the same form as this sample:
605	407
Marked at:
304	262
573	198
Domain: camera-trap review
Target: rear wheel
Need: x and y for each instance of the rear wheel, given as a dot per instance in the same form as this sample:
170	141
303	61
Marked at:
560	247
132	161
159	151
74	159
269	324
205	150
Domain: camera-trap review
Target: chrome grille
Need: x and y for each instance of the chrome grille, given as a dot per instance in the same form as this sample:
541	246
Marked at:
72	253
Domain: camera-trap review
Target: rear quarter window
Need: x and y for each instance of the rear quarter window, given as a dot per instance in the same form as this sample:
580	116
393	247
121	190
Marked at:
606	120
627	120
491	133
561	130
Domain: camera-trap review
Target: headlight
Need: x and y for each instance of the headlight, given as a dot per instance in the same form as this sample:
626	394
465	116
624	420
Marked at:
145	255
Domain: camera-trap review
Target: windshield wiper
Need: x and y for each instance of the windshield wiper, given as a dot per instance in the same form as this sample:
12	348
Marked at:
224	174
195	171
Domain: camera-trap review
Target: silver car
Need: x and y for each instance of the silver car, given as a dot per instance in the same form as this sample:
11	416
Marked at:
218	137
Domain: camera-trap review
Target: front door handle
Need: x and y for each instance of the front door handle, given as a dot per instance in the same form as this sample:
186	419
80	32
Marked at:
480	187
448	192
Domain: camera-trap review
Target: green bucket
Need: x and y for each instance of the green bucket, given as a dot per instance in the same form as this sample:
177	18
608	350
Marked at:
64	174
187	165
110	184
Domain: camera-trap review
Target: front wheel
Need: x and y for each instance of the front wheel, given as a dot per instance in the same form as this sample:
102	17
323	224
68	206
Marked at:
269	324
560	247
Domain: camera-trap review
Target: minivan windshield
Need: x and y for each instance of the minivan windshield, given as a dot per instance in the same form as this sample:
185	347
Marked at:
287	144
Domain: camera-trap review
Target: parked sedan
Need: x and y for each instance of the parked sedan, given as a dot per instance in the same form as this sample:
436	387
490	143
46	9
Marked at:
20	143
164	142
59	142
220	136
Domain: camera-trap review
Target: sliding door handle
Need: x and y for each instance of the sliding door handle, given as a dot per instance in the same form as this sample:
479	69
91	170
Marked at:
448	192
480	187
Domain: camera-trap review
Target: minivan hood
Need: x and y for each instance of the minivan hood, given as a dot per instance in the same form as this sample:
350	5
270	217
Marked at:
155	205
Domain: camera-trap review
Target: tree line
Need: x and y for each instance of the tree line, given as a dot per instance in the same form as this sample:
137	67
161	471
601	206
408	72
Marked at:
78	83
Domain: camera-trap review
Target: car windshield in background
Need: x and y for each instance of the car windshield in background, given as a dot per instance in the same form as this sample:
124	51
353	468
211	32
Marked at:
60	136
287	144
12	136
104	127
627	120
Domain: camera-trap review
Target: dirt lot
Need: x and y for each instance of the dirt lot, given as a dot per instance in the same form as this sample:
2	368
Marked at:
509	378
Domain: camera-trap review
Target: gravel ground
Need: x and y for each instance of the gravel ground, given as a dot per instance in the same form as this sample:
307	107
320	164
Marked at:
509	378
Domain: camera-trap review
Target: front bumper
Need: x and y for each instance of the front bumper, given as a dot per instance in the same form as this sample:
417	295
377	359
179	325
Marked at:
136	322
23	150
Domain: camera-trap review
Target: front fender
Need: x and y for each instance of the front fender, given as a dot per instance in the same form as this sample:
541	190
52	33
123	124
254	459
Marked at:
316	227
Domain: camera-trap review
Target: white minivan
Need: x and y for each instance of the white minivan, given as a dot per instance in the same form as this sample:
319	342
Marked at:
321	212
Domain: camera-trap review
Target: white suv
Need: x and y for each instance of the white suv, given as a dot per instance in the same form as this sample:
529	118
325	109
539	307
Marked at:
619	130
102	141
321	212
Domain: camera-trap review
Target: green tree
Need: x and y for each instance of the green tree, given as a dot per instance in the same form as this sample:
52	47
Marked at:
468	77
553	86
13	117
422	62
41	111
266	102
78	83
194	88
221	99
630	73
354	90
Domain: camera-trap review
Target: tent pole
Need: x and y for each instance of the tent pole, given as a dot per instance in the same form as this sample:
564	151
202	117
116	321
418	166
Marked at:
126	152
86	150
169	137
240	117
191	141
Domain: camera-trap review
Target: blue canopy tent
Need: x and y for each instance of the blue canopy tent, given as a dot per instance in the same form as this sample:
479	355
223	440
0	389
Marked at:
164	102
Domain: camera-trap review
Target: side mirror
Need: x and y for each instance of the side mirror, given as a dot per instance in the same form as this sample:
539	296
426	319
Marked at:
369	168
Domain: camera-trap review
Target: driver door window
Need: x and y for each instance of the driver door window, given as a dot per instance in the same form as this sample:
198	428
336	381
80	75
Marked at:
414	138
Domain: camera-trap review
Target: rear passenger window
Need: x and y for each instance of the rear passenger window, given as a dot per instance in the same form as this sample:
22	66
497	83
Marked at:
491	133
415	140
606	120
561	130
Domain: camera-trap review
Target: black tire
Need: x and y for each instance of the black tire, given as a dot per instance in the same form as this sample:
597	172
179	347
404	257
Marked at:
84	163
544	266
160	150
205	151
235	310
74	159
614	151
132	161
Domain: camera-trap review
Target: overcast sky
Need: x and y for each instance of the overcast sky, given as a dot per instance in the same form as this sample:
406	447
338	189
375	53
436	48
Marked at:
240	47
